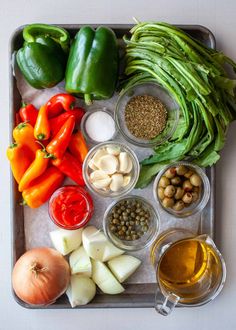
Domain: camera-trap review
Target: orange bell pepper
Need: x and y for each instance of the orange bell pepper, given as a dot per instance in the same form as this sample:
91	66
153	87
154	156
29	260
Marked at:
58	145
43	187
24	134
20	158
78	147
42	127
37	168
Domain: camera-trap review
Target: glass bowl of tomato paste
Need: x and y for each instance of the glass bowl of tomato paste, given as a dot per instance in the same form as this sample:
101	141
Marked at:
70	207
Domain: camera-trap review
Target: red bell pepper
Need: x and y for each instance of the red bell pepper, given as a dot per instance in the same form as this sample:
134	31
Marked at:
57	122
58	145
60	102
78	146
71	167
28	113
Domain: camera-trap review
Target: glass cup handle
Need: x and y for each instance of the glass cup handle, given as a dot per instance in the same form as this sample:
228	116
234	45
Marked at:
165	304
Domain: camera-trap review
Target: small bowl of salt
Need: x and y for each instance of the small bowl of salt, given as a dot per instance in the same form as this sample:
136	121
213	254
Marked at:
98	126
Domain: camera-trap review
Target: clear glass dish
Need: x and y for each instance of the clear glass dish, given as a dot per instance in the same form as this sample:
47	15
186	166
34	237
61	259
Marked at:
134	172
70	197
154	90
194	207
83	125
144	241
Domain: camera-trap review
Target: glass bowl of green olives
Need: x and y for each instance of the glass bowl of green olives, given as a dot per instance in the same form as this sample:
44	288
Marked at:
131	223
182	189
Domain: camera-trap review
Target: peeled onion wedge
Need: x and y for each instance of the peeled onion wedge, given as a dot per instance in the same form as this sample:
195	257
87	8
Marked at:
80	262
97	245
81	290
66	241
104	278
123	266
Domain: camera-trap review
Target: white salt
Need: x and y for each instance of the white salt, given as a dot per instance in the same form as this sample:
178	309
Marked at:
100	126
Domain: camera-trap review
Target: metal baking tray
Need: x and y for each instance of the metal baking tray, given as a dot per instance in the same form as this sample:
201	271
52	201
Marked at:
135	295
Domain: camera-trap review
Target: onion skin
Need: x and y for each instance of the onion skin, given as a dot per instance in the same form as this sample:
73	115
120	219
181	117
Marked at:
40	276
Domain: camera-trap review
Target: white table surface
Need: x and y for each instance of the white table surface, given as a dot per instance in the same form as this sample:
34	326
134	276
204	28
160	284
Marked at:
219	17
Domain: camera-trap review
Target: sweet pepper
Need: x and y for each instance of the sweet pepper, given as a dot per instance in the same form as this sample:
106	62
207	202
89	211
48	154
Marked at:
42	58
92	67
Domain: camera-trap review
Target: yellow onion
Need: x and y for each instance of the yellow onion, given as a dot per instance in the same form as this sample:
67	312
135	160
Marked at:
40	276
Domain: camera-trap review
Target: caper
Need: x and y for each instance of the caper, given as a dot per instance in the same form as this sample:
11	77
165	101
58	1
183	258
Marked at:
169	191
133	232
134	237
160	193
195	196
145	228
142	213
188	174
115	221
195	180
168	202
133	215
116	215
137	222
187	198
138	210
122	223
128	238
176	181
127	223
130	227
124	228
121	233
187	185
113	228
142	219
181	170
170	173
179	193
127	232
119	212
179	205
164	182
132	223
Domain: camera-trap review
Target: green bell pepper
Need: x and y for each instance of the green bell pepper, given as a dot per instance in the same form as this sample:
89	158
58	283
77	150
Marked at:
92	66
42	59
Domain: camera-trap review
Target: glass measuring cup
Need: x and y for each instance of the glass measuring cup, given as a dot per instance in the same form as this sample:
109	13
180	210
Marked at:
190	270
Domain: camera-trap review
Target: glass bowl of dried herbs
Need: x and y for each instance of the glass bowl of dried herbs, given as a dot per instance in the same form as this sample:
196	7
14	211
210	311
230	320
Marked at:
146	114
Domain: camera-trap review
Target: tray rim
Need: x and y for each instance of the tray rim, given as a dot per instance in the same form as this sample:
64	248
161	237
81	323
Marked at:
125	27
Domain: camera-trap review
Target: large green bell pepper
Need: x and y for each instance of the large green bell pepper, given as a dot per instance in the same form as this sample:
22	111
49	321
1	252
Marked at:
92	66
42	59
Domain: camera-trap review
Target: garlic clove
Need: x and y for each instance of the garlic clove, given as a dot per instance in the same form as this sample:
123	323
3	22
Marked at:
98	175
101	184
108	163
92	165
125	163
126	180
114	150
101	152
116	182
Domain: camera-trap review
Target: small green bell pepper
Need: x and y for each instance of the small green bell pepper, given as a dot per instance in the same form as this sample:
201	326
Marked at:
42	59
92	66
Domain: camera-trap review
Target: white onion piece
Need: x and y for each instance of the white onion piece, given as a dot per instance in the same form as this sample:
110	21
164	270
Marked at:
66	241
81	290
80	262
104	278
123	266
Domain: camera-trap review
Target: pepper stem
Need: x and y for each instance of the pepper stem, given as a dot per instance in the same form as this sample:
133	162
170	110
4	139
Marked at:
88	99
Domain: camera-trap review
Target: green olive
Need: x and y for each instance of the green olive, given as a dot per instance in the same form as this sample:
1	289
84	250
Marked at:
181	170
176	181
160	193
187	198
187	185
164	182
195	196
170	173
169	191
179	193
179	205
188	174
195	180
168	202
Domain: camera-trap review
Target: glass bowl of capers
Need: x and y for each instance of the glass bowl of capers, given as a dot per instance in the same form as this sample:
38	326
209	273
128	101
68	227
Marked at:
182	189
131	223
